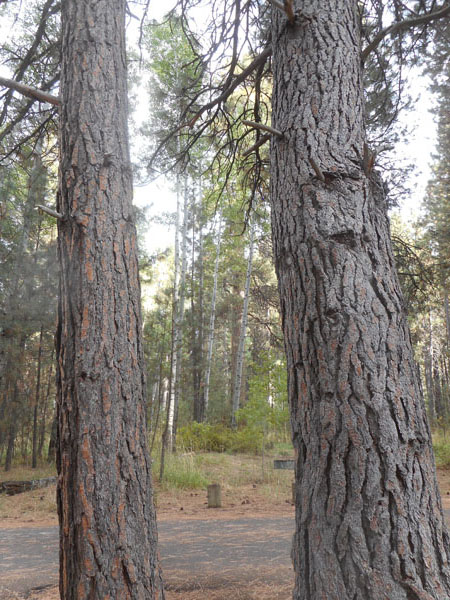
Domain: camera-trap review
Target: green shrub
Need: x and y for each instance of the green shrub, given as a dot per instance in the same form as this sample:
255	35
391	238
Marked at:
182	472
201	437
441	446
246	441
197	437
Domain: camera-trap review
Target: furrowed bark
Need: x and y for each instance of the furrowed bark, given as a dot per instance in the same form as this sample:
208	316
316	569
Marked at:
107	520
369	522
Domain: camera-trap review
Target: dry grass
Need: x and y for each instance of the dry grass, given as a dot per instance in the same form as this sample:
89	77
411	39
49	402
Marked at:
26	473
269	584
34	508
245	490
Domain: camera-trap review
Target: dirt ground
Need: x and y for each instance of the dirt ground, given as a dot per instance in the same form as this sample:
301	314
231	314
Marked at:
37	509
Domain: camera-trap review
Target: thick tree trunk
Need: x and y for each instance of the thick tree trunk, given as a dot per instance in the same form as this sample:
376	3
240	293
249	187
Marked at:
369	523
107	520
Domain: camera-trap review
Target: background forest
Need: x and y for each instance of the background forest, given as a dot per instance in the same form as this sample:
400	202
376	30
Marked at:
216	372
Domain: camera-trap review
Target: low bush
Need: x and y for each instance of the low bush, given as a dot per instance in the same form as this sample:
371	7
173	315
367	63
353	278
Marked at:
441	445
201	437
181	471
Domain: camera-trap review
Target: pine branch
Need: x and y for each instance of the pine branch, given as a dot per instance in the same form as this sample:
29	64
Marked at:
406	24
262	127
256	62
49	211
30	92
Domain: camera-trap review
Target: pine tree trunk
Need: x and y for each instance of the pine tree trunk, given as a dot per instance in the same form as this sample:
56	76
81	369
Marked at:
12	426
36	403
437	391
447	314
369	523
179	323
197	316
167	434
213	315
51	454
429	385
45	406
107	521
243	333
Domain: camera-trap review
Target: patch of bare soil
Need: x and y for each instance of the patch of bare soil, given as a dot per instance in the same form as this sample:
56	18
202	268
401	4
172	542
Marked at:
211	589
239	585
245	501
38	507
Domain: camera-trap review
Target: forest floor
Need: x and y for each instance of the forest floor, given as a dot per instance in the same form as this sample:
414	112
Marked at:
243	500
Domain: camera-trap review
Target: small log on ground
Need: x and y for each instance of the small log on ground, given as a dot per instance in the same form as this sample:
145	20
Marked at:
11	488
283	463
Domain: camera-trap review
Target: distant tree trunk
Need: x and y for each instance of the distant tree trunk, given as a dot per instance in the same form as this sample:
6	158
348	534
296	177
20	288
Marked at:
51	455
12	426
173	418
36	403
437	391
45	407
213	315
447	315
235	329
369	521
167	433
197	314
243	332
429	384
107	520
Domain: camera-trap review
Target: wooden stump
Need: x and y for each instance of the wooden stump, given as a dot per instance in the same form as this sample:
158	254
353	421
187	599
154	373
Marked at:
214	496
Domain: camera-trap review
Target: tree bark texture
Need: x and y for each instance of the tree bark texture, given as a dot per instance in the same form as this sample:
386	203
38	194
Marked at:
107	521
369	522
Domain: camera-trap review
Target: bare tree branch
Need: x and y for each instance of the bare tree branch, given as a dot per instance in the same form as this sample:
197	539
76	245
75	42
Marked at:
256	62
402	25
30	92
263	127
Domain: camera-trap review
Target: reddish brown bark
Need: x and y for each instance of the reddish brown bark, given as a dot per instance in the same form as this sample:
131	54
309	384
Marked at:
107	520
369	523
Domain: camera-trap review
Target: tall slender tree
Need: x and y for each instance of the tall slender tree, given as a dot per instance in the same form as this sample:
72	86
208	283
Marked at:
107	520
368	510
237	383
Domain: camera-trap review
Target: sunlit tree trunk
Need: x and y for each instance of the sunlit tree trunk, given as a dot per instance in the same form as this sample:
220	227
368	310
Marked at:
173	417
107	520
369	523
212	317
237	384
197	312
